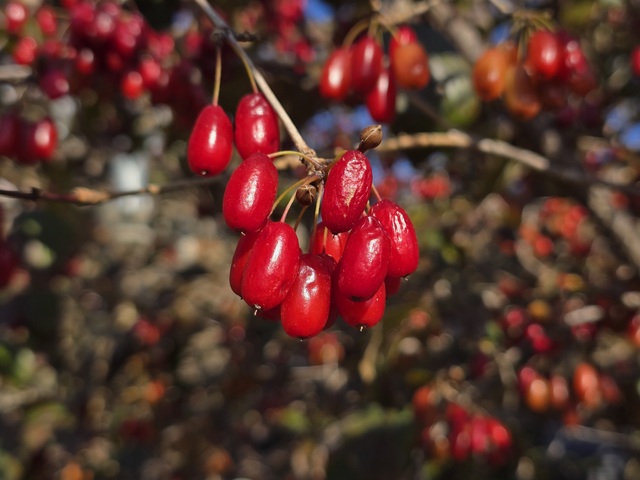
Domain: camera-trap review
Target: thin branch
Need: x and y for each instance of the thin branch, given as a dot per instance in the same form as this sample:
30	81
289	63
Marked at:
14	73
458	139
291	128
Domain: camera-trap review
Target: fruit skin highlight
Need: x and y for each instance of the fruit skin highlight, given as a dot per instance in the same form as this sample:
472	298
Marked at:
256	126
211	142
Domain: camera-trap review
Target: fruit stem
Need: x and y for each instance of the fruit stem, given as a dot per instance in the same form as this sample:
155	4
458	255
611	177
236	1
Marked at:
252	79
303	181
216	82
287	208
316	214
299	219
375	192
261	82
356	30
308	158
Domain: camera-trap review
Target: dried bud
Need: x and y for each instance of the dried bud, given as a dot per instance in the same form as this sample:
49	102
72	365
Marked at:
306	195
370	137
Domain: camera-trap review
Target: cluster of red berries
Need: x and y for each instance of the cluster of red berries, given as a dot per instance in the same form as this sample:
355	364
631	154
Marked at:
554	67
589	389
450	432
357	255
362	70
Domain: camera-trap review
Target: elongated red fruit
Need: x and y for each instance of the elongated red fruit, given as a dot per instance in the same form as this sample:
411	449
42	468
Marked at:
324	241
305	310
211	143
403	36
366	64
39	141
410	66
365	260
239	261
256	129
335	79
381	99
361	314
405	253
250	193
346	191
271	267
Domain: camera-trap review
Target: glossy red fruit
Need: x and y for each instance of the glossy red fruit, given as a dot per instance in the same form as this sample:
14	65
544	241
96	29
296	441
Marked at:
239	261
586	385
39	141
150	71
54	83
271	267
335	79
305	310
360	314
250	193
544	54
346	191
46	20
15	17
211	142
410	66
489	73
323	241
256	126
381	99
538	394
520	95
132	85
403	36
25	51
85	61
365	260
404	242
9	131
366	64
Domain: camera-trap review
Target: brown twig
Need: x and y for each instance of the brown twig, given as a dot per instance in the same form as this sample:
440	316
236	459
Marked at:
291	128
458	139
14	73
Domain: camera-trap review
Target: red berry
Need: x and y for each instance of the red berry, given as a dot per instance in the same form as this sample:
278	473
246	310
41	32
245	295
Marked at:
211	143
586	385
54	83
132	85
16	16
239	260
324	241
360	314
9	131
489	73
256	126
38	141
305	310
403	36
85	61
405	253
271	267
335	80
381	99
250	193
366	64
150	71
410	66
25	51
46	19
543	54
365	260
346	191
520	96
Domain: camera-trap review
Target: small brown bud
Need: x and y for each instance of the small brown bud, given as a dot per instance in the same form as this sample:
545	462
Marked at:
370	137
306	195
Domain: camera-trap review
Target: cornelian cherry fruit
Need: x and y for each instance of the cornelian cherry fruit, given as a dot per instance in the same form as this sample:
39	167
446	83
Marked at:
272	266
323	241
39	141
365	260
250	193
520	95
335	79
543	54
256	126
404	254
364	314
366	64
403	36
489	73
381	99
305	310
410	66
239	261
211	143
346	192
